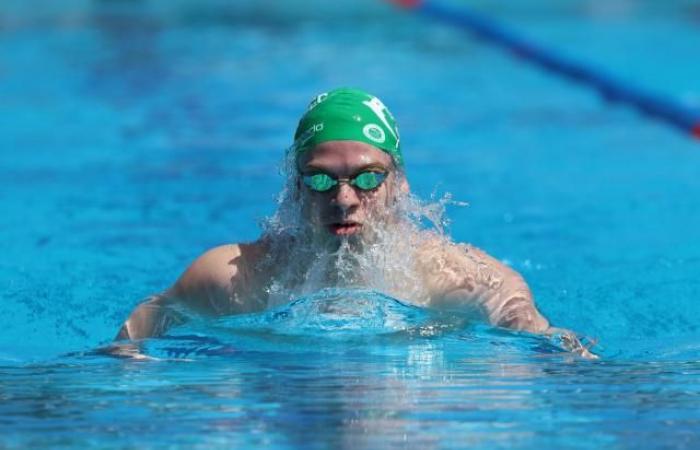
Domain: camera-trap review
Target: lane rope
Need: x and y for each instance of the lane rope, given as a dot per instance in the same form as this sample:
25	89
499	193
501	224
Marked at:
610	88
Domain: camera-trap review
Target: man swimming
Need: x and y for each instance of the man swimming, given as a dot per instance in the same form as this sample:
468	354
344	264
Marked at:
346	218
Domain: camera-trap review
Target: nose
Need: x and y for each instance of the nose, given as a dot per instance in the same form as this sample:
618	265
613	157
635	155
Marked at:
345	197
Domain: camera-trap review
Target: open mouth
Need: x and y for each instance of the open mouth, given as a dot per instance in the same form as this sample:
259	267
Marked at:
344	229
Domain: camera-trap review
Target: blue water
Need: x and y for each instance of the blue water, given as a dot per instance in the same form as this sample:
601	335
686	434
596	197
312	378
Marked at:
136	134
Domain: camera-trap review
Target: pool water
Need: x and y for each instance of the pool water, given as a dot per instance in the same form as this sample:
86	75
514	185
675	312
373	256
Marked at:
136	134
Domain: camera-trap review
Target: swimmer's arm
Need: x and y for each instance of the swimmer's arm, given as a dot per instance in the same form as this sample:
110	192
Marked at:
151	318
517	311
507	303
474	283
209	286
510	305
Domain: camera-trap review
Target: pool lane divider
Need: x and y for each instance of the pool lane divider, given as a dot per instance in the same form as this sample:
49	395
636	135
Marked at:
611	88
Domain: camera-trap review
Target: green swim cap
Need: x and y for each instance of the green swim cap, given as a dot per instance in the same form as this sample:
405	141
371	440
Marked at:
347	114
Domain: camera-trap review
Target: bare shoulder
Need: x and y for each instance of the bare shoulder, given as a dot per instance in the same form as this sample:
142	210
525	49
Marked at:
219	279
217	282
215	266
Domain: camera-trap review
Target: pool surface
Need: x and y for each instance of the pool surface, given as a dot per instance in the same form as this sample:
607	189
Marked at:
134	135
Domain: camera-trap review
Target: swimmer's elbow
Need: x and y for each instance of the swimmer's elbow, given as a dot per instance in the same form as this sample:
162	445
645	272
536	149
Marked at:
136	327
123	333
519	313
139	325
150	319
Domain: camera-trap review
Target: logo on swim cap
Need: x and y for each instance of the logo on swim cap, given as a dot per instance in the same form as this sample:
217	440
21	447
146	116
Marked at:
348	114
374	132
382	112
318	99
308	134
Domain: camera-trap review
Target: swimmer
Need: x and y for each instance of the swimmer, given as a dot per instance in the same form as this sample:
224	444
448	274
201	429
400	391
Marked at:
346	218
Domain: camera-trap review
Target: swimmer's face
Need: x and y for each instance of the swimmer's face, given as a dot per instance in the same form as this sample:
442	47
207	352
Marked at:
346	210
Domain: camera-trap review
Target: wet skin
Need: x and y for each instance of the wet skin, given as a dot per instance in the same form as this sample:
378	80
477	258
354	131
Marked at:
227	279
344	209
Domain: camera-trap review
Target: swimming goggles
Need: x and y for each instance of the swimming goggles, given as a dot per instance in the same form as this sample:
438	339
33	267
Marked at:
365	181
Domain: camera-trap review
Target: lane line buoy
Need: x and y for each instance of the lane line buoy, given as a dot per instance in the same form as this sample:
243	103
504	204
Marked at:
609	87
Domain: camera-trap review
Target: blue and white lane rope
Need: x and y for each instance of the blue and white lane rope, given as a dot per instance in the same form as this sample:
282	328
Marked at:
611	88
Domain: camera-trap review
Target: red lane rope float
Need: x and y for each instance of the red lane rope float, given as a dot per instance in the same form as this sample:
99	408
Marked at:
610	88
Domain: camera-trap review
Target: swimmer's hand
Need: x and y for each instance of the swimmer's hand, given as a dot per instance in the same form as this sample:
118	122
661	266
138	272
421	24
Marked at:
569	341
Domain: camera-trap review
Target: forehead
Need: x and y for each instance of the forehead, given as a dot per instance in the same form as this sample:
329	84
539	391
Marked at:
344	157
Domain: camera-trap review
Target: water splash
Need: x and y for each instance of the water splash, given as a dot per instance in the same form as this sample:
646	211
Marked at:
334	311
386	258
326	321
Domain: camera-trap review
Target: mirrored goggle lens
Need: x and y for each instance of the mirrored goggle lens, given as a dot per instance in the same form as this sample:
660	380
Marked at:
366	181
319	182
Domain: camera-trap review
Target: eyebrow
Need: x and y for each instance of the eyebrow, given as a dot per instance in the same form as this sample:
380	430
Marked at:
364	168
